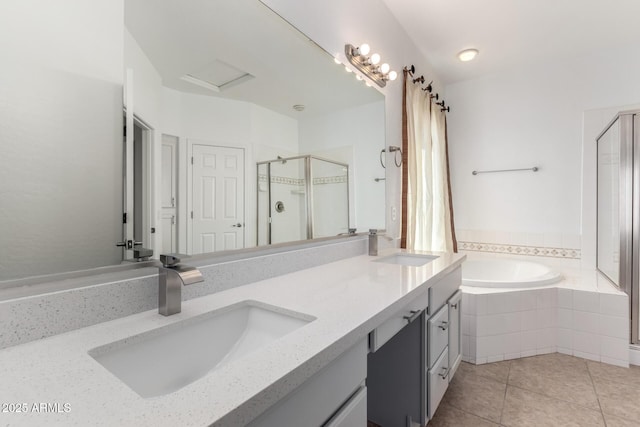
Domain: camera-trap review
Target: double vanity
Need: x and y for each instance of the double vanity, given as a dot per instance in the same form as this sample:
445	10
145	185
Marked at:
366	337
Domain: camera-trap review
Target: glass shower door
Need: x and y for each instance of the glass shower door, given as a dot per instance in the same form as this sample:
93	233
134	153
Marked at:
330	198
287	207
618	210
609	200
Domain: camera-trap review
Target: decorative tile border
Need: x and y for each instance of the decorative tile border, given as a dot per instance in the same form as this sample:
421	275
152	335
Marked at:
282	180
294	181
330	180
499	248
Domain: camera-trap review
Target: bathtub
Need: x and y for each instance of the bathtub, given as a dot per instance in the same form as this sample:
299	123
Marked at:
515	308
507	273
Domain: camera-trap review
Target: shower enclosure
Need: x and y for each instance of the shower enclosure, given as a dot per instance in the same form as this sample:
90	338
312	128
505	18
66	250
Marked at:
618	236
302	197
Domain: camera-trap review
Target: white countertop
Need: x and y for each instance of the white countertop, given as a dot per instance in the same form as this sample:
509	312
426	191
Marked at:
349	298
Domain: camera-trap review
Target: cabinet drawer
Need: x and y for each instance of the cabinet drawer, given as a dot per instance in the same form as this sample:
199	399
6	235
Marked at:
441	291
388	329
352	413
438	381
438	334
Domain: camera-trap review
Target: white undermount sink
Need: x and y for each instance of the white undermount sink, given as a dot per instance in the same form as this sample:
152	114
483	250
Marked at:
166	359
415	260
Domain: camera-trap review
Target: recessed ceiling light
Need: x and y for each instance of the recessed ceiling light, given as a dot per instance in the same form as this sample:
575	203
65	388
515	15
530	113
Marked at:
467	55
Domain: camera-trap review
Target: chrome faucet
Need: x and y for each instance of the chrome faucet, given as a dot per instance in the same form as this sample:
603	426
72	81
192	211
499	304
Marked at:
172	276
373	241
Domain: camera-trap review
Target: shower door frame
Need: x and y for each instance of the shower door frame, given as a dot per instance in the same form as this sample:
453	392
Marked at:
308	191
629	214
634	285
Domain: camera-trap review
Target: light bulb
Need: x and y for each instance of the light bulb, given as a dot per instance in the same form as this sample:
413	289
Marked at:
336	60
364	49
358	77
348	69
393	75
375	58
367	83
384	68
467	55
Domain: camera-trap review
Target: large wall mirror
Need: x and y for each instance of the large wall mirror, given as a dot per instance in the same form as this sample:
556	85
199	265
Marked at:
239	131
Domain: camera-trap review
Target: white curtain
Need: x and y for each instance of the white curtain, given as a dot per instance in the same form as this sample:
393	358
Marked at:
428	206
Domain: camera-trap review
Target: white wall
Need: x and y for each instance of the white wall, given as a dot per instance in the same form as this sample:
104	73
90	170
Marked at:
60	126
524	117
331	24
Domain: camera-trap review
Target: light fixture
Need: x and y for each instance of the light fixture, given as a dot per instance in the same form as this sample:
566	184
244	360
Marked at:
467	54
368	65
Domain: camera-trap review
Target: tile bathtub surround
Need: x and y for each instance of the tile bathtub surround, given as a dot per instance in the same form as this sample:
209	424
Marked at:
548	390
513	324
31	318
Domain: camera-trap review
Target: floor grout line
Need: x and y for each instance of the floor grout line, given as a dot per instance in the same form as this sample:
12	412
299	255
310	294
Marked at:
555	398
593	384
504	398
475	415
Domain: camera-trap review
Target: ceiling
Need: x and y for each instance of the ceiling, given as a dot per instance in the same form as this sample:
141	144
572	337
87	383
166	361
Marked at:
512	33
244	48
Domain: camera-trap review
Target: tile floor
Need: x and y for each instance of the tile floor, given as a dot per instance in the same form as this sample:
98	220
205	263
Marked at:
552	390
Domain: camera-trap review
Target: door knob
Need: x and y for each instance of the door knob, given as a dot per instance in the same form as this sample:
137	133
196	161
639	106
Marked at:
237	225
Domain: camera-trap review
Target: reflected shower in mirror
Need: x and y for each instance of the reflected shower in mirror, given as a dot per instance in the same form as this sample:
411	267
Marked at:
302	198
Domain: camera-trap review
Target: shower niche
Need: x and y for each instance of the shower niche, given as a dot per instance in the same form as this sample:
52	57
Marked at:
618	208
302	197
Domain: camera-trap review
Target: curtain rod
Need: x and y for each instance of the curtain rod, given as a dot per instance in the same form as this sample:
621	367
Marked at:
429	88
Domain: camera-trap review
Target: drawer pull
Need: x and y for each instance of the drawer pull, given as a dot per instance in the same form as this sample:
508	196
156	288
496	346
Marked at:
414	315
445	373
444	326
454	306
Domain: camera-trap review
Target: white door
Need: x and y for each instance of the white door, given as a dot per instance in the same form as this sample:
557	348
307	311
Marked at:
168	198
218	198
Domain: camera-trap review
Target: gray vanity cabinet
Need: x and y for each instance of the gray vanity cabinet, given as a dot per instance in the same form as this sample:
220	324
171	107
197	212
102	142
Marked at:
413	357
394	385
